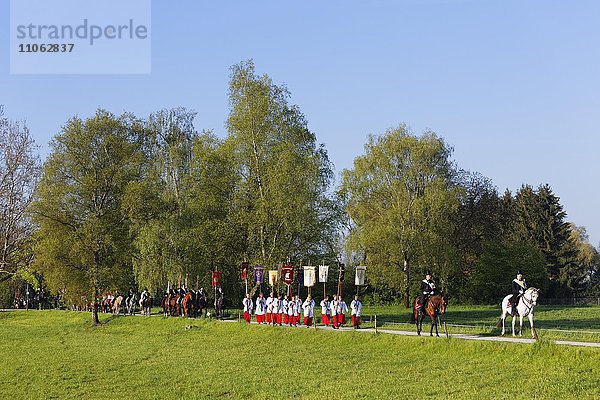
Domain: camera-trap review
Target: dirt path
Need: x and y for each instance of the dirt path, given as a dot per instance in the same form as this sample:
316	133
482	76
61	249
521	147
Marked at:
463	336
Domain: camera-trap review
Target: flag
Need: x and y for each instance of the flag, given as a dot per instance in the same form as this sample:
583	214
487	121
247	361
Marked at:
323	273
309	276
273	277
359	279
300	274
259	273
287	274
216	278
245	266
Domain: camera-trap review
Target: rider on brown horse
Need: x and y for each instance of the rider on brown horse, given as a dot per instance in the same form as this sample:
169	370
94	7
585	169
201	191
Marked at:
427	290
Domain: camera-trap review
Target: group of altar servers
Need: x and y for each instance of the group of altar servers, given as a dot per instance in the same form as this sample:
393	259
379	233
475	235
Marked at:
279	310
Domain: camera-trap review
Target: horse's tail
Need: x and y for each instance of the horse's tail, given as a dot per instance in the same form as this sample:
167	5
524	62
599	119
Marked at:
499	323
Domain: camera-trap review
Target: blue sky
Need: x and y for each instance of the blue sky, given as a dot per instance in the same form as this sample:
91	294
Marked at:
514	87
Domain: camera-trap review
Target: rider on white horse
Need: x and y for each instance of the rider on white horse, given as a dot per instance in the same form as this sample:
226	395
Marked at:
521	303
518	289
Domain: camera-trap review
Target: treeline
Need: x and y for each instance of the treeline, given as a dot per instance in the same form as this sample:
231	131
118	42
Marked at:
412	209
123	201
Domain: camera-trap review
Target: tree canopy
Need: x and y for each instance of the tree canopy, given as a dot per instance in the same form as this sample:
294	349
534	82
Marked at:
129	201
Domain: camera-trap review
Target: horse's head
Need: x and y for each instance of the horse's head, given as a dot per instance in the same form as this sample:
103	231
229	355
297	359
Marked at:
535	294
444	304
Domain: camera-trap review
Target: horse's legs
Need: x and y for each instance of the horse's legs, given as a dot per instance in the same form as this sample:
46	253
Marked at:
433	324
436	326
520	325
503	317
530	316
513	325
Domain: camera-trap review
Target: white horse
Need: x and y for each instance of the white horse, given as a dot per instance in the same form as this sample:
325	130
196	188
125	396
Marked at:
524	308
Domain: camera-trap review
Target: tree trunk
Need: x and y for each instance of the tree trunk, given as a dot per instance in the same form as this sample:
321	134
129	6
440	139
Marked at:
406	270
95	319
95	290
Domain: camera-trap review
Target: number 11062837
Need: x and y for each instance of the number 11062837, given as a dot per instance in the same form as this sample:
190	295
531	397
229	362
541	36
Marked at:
46	48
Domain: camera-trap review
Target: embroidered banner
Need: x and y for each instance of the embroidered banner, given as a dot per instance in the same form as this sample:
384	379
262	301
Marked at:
216	278
287	274
359	279
323	273
259	273
309	276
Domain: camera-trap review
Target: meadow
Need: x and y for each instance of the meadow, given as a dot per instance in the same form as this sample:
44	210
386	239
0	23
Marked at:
59	354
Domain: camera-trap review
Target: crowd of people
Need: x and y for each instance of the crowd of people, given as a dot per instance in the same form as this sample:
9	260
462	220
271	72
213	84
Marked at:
287	310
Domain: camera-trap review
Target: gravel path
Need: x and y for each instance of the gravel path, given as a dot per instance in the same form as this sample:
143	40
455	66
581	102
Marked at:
463	336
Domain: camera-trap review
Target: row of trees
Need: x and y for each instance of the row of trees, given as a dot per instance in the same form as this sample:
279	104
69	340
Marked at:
411	208
123	201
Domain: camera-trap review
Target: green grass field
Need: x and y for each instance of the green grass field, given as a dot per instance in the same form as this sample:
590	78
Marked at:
57	354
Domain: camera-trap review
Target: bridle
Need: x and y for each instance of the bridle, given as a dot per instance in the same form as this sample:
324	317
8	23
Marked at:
529	303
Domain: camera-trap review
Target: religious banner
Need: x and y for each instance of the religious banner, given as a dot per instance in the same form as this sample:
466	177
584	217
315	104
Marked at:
300	274
244	274
216	278
323	273
309	276
287	274
259	273
273	277
359	279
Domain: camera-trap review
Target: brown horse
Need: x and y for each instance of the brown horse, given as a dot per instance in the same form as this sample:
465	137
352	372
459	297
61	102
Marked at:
174	304
188	304
166	304
436	306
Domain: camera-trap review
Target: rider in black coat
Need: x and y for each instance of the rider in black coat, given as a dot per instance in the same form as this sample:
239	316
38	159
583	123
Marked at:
427	290
518	289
